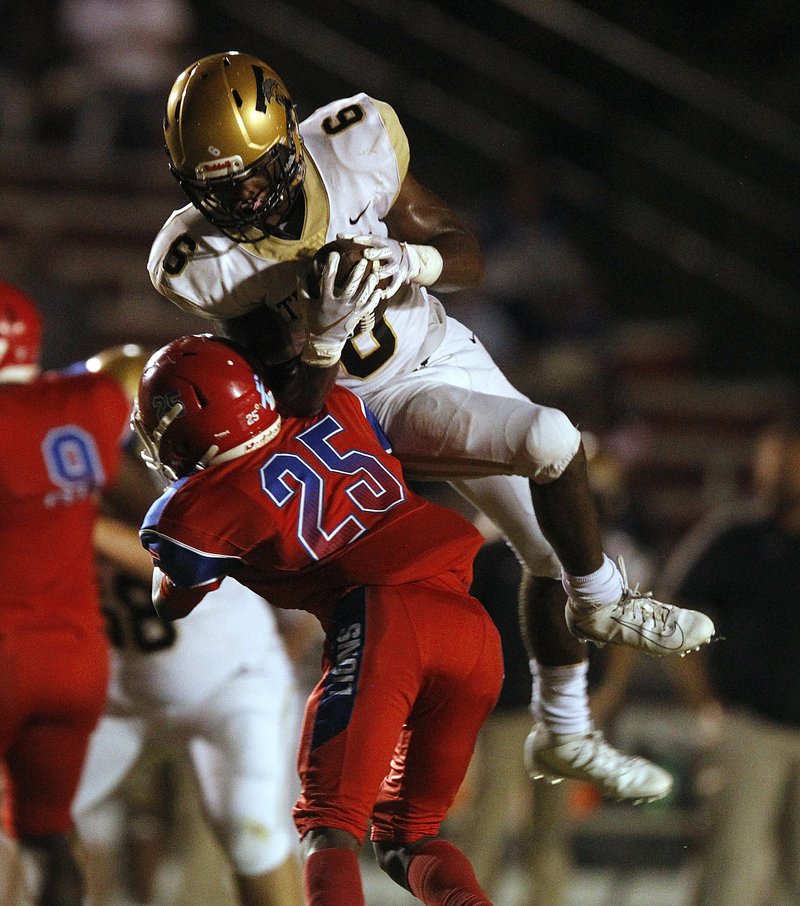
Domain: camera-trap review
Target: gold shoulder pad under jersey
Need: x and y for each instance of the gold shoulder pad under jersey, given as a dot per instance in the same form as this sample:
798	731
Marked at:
125	363
397	135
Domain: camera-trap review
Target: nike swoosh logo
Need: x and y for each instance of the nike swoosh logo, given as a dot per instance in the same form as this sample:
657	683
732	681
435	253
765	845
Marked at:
354	220
672	642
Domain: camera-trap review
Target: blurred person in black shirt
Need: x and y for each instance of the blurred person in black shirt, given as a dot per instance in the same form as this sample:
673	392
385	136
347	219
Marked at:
741	566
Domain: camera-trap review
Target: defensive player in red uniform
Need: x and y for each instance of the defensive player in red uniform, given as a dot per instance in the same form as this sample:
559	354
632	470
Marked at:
313	513
61	445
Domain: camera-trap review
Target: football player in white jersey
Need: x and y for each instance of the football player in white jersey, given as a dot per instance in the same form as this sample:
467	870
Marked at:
266	194
220	686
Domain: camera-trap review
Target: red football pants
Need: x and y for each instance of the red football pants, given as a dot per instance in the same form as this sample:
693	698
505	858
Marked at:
411	672
52	693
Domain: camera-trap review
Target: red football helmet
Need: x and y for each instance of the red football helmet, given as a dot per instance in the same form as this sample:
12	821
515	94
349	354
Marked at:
199	404
20	335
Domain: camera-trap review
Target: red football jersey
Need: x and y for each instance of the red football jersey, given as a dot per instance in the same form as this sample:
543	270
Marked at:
62	438
321	509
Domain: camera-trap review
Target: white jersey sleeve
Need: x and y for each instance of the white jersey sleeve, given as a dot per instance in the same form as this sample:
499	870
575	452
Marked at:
203	272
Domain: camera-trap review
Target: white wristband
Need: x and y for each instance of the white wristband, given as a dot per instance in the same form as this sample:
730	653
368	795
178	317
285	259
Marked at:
321	356
430	264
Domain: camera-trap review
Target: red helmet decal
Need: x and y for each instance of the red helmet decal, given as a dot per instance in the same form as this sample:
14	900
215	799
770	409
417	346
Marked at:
199	403
20	331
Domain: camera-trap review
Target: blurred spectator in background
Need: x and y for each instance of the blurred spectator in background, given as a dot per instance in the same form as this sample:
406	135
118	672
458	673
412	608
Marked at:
540	309
62	443
121	57
506	822
533	270
28	44
734	565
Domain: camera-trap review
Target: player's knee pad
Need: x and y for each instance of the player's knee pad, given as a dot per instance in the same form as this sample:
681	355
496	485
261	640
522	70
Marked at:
550	444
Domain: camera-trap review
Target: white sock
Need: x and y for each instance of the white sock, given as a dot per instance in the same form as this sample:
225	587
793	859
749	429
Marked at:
603	586
560	697
34	866
536	690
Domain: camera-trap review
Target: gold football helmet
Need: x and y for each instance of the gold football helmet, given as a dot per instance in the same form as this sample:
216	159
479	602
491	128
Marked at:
125	363
234	144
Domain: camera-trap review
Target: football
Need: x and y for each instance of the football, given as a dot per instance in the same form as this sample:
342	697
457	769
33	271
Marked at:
350	254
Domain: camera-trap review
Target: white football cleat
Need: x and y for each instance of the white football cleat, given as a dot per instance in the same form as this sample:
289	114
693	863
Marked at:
639	621
588	757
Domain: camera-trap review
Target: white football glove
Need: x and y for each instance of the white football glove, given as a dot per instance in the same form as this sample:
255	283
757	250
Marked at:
396	261
333	317
401	262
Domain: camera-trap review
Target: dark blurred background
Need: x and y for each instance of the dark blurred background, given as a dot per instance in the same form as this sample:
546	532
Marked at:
632	170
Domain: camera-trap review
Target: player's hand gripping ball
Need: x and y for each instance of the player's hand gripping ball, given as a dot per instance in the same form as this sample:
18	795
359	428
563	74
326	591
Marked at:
350	254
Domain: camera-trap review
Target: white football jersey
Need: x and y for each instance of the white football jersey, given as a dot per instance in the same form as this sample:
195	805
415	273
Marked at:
219	685
157	665
356	160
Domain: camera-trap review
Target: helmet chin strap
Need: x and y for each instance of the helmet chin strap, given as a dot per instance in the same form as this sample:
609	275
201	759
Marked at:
206	458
